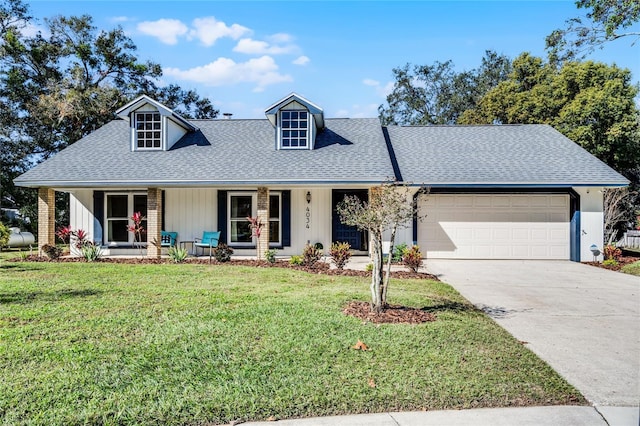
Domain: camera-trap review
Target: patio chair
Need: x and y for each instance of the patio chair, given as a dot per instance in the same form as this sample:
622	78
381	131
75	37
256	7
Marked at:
209	240
168	239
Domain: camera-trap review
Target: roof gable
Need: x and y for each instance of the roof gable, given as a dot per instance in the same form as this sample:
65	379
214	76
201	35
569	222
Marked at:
317	112
126	111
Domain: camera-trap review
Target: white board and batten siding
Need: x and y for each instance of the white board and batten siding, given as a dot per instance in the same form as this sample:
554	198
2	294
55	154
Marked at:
190	211
495	226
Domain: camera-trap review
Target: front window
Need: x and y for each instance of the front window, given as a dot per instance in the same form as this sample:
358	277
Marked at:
295	129
243	205
120	208
148	130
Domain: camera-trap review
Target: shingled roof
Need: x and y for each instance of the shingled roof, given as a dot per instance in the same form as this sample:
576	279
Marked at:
347	151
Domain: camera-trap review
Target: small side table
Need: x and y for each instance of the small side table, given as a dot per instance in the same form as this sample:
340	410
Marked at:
183	244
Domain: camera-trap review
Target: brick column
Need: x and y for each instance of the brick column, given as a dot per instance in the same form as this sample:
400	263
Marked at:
263	216
154	219
46	217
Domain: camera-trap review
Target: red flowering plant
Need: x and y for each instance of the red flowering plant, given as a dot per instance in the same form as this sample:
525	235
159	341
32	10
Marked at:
256	228
137	229
77	239
64	233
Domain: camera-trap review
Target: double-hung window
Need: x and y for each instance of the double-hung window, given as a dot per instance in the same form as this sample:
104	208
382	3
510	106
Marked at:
294	129
148	130
119	209
244	204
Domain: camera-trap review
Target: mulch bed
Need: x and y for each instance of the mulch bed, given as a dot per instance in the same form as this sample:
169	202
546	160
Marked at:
622	261
318	268
394	314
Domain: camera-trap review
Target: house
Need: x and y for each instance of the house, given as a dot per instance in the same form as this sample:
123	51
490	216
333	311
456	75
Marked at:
504	192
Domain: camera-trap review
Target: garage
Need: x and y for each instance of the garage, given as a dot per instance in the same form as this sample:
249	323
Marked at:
494	226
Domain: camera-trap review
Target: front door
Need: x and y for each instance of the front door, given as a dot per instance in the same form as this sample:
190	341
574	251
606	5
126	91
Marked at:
345	233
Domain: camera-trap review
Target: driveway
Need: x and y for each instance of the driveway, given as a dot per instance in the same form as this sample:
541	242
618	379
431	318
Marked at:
584	321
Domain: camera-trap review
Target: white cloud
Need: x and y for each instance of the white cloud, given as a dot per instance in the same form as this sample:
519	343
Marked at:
262	71
277	44
116	19
165	30
301	60
370	82
381	90
209	29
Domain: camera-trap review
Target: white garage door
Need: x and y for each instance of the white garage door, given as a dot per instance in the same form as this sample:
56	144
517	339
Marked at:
508	226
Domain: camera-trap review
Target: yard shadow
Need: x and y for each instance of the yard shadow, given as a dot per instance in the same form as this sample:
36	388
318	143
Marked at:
20	267
450	306
25	297
499	311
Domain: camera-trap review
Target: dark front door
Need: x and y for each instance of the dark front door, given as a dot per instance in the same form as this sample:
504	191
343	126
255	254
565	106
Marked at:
345	233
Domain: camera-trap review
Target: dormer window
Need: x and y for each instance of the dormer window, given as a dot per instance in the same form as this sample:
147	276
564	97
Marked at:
295	129
148	127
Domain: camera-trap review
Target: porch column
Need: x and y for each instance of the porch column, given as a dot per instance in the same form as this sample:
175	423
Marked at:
46	217
263	216
154	222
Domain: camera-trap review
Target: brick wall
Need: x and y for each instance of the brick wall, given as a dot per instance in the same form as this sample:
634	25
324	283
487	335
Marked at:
46	217
263	216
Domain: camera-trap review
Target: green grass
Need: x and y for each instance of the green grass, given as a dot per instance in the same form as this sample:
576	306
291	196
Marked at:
187	344
632	268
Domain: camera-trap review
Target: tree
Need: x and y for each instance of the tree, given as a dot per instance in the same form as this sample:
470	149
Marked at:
619	212
437	94
590	103
63	83
388	209
606	20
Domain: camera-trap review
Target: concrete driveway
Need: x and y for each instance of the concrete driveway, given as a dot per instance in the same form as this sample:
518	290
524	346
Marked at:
584	321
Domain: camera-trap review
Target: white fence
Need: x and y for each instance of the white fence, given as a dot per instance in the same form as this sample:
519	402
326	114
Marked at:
631	239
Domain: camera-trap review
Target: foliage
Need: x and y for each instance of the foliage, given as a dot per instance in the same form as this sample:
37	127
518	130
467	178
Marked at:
388	208
610	262
137	349
270	255
4	235
256	226
437	94
398	252
64	82
605	21
91	251
632	268
412	258
137	229
222	253
311	255
177	254
618	212
52	251
295	260
340	254
369	267
64	233
611	252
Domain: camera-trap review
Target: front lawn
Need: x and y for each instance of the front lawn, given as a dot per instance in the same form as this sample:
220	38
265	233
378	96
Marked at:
188	344
632	268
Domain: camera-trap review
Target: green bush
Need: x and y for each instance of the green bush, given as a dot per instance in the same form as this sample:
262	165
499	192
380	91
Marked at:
610	263
91	251
310	255
4	235
340	254
177	254
369	267
52	251
222	253
270	255
398	252
412	258
295	260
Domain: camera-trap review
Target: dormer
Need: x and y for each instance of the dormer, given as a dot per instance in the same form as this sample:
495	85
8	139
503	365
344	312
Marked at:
154	127
297	122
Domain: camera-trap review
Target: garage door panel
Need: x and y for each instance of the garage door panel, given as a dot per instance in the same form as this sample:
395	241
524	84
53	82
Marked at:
501	226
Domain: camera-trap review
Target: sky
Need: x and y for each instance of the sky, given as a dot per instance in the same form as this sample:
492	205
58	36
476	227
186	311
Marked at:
245	56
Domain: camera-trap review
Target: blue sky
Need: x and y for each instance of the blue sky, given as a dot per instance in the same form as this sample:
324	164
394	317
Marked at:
245	55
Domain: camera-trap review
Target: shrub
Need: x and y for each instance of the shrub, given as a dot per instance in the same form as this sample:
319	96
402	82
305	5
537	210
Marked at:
610	263
177	254
222	253
295	260
369	267
612	252
398	252
310	255
4	235
91	251
270	255
52	251
340	254
412	258
64	234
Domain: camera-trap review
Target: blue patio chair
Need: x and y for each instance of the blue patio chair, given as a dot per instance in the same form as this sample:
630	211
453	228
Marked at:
168	239
209	240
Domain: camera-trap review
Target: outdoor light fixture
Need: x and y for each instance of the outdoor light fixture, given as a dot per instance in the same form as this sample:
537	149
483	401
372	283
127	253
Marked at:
596	252
308	197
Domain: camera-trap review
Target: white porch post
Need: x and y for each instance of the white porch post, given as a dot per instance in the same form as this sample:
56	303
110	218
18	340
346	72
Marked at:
154	219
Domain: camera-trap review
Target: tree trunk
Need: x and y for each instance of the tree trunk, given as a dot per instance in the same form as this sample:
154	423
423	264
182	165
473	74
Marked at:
377	302
387	274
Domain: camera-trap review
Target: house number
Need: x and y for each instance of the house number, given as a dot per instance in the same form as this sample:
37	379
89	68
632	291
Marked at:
308	215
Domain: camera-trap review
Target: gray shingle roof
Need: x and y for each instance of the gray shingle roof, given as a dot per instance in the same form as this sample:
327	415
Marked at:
531	154
221	151
348	151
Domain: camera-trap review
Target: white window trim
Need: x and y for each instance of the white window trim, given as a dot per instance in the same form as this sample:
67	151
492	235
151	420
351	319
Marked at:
281	129
135	131
254	213
105	232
